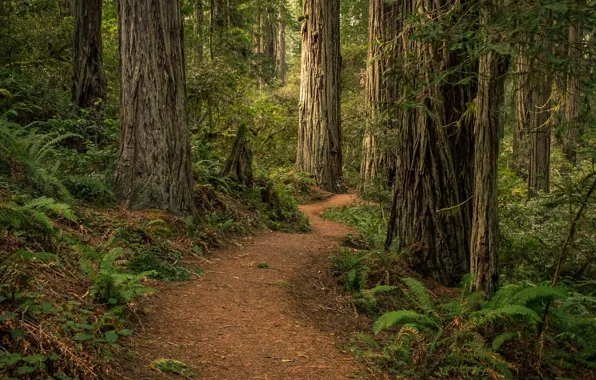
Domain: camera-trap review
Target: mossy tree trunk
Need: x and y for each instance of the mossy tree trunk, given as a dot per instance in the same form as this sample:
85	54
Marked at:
238	166
319	132
89	84
431	215
484	251
154	167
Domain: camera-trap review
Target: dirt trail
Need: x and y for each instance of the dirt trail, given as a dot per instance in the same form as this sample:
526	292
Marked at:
239	321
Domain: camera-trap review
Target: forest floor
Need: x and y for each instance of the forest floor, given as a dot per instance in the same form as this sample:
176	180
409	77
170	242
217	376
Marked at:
266	308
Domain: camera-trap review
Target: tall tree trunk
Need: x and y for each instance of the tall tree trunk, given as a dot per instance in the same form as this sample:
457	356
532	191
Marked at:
379	95
484	253
523	99
281	43
199	20
153	169
319	132
431	216
89	85
540	114
572	109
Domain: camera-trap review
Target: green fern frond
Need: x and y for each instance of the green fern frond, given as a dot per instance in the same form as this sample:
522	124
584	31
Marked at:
502	338
418	294
538	295
488	316
402	317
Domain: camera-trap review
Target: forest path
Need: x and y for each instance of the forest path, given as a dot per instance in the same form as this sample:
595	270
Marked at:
242	322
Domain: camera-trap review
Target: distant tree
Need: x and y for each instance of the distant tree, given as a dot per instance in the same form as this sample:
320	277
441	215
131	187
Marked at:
154	168
89	85
380	93
319	131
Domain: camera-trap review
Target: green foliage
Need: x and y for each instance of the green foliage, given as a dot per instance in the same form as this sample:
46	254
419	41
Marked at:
369	220
112	284
462	342
34	215
160	264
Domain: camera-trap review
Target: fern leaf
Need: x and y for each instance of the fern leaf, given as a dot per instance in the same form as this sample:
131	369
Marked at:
418	294
538	294
502	338
402	317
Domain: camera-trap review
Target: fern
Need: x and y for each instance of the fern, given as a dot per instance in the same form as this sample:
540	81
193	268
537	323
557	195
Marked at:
418	294
403	317
488	316
502	338
34	214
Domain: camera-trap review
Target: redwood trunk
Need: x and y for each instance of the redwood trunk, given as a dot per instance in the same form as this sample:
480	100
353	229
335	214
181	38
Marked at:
484	253
431	217
154	167
319	133
378	157
281	44
198	30
572	110
89	83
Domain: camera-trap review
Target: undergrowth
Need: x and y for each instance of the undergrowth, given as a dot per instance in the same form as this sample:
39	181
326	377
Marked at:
75	268
423	331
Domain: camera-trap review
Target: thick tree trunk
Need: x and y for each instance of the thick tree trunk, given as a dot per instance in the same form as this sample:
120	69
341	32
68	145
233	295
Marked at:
319	132
199	20
484	253
239	163
431	216
572	109
379	96
154	167
281	44
89	85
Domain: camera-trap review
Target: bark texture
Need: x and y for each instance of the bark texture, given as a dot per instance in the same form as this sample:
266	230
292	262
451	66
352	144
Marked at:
523	99
319	133
380	93
199	21
431	215
281	44
154	168
572	108
239	163
484	251
89	85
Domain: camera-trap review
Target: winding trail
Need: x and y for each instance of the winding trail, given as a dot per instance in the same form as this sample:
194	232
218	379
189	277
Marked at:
240	321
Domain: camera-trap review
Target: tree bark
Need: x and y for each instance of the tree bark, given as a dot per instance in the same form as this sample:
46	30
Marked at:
154	167
379	95
239	163
523	99
199	21
572	109
431	216
89	85
539	121
281	44
484	253
319	132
